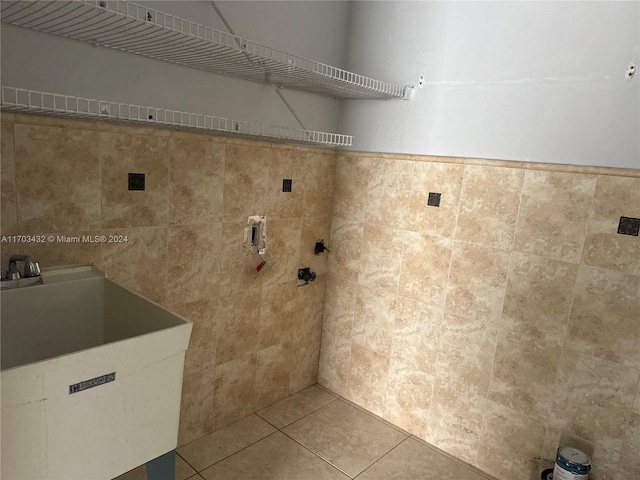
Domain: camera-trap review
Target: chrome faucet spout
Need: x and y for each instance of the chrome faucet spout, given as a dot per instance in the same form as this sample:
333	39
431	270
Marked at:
31	268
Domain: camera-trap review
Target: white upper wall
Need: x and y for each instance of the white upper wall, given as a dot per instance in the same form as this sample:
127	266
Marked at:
530	81
313	29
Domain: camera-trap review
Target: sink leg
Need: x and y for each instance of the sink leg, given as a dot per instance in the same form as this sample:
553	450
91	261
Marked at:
162	467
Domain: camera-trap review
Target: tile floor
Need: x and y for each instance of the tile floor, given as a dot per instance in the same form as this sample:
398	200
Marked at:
313	435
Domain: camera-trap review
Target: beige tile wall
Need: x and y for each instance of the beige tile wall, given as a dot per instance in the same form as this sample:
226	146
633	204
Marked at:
256	338
497	326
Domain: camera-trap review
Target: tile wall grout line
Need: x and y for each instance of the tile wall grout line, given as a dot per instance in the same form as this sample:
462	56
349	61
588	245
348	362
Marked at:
373	416
500	322
238	451
300	418
566	329
586	224
453	458
185	461
314	453
381	457
318	456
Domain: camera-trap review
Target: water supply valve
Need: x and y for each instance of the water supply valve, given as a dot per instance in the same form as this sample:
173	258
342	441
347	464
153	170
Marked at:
305	275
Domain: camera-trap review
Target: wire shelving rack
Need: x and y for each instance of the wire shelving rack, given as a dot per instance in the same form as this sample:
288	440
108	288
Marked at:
127	26
31	101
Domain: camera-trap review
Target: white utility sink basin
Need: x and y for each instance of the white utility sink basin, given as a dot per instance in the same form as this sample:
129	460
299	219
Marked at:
91	378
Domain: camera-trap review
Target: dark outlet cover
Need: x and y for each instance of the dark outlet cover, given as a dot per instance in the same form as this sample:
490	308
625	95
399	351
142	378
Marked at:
629	226
286	184
434	199
136	181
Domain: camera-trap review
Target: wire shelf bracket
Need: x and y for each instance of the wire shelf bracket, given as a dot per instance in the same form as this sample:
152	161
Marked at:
134	28
31	101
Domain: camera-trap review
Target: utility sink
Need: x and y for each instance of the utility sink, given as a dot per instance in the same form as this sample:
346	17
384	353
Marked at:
91	377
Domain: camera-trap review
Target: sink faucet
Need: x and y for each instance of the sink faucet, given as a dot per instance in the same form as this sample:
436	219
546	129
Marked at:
31	268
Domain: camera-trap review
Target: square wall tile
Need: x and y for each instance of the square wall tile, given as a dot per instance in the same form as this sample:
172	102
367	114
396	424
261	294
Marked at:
368	375
286	164
477	282
54	195
415	334
554	210
196	407
278	314
510	443
380	257
631	445
351	185
455	420
121	154
465	354
240	326
195	262
346	248
524	372
443	178
538	297
196	181
233	390
246	174
201	353
302	356
408	398
140	262
373	319
489	206
272	376
389	191
309	307
320	177
593	398
337	326
604	247
604	317
425	268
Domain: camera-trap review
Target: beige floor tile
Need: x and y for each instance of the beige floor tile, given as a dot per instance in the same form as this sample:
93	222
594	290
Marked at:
411	460
214	447
296	406
183	471
274	458
345	436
